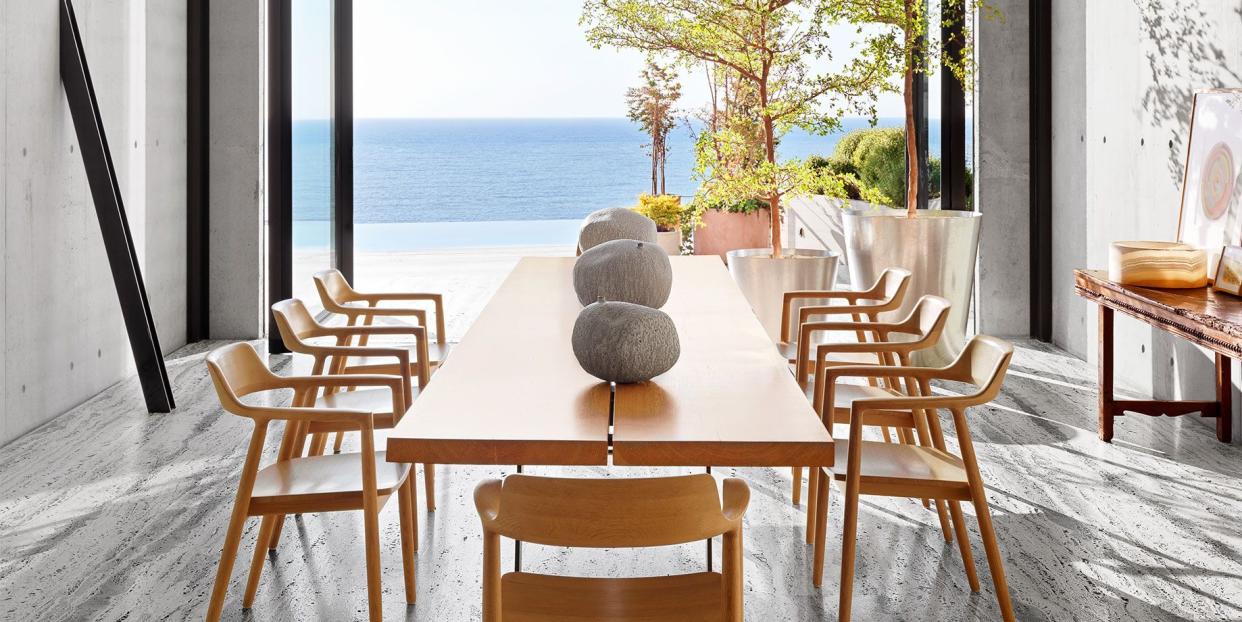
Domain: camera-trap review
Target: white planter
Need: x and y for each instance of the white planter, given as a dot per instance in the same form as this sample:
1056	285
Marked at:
764	279
670	241
938	247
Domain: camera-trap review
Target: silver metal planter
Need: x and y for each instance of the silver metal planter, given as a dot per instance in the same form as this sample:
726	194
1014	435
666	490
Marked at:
764	279
938	246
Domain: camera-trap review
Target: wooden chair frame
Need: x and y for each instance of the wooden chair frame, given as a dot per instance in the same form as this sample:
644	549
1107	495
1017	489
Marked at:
237	371
887	294
336	294
983	364
888	352
296	326
612	513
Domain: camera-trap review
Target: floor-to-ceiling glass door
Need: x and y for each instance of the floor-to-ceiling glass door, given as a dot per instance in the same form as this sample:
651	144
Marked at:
309	150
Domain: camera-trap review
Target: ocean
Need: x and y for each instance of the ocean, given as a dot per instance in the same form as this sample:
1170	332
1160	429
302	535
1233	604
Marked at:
530	178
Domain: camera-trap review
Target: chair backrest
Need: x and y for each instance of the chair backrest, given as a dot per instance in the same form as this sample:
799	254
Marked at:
983	363
237	371
295	323
610	513
891	287
926	321
334	290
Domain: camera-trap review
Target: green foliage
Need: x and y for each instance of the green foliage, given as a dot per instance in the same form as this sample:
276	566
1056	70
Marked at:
879	156
666	210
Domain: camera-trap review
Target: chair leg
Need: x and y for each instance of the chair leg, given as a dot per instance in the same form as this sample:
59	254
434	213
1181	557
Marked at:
370	519
429	482
256	562
849	535
336	445
232	539
945	526
797	485
319	441
812	502
821	526
888	434
963	545
995	563
276	530
408	543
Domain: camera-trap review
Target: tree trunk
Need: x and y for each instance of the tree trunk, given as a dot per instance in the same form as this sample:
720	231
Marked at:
774	197
912	136
655	154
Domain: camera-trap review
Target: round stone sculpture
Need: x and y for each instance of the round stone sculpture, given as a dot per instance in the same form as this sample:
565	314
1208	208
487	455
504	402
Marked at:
625	343
615	223
624	271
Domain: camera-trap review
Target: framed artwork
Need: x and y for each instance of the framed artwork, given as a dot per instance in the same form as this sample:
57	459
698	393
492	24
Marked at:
1229	271
1211	210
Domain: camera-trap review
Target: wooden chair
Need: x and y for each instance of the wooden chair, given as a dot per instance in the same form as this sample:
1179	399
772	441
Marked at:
919	330
297	327
919	471
885	295
611	513
294	484
338	296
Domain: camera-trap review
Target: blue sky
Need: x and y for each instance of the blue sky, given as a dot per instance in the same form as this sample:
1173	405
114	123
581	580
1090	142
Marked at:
475	58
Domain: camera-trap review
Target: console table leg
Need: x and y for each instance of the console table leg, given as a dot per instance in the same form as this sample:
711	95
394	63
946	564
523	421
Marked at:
1106	373
1224	397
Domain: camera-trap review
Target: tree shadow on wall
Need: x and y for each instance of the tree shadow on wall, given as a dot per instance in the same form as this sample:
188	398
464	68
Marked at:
1183	52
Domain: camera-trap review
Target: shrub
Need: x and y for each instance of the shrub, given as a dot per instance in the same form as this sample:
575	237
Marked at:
665	210
879	156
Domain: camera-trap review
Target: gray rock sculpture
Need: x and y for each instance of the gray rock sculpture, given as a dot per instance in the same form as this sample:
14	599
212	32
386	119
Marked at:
624	271
625	343
615	223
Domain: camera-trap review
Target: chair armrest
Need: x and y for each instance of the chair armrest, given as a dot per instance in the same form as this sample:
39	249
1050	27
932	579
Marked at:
395	384
437	301
735	498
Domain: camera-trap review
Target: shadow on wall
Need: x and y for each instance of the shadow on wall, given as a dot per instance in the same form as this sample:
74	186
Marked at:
1183	58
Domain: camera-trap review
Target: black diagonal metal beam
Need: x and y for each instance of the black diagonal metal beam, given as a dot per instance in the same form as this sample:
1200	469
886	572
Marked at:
118	242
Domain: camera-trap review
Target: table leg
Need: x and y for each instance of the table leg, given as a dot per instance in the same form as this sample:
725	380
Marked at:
709	540
1105	339
1224	399
517	545
821	526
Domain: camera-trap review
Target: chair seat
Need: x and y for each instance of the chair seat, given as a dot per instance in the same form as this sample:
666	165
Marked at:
322	483
845	394
904	470
527	597
378	401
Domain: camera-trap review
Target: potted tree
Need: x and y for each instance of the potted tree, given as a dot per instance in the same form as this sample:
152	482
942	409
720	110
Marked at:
767	48
666	210
938	246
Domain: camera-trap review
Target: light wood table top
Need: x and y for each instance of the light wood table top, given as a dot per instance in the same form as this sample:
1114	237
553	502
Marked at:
513	393
730	400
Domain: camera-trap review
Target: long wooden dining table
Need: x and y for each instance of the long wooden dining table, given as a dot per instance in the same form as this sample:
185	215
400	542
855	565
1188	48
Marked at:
512	392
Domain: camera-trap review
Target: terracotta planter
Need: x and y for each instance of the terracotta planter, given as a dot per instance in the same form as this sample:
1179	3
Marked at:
721	232
670	241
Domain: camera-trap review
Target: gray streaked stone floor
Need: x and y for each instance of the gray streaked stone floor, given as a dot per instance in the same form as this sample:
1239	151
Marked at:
108	513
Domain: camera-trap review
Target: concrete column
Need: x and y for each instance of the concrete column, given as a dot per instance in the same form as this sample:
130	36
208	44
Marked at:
1002	170
236	177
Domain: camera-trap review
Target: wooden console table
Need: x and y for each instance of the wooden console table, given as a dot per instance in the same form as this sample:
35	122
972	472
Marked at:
1201	316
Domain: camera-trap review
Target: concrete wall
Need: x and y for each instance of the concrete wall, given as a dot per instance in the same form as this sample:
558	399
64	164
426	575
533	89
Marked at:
237	194
1124	72
62	336
1003	159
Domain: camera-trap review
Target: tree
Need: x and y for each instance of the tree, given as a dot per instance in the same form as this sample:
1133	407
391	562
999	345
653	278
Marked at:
766	45
900	47
651	106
